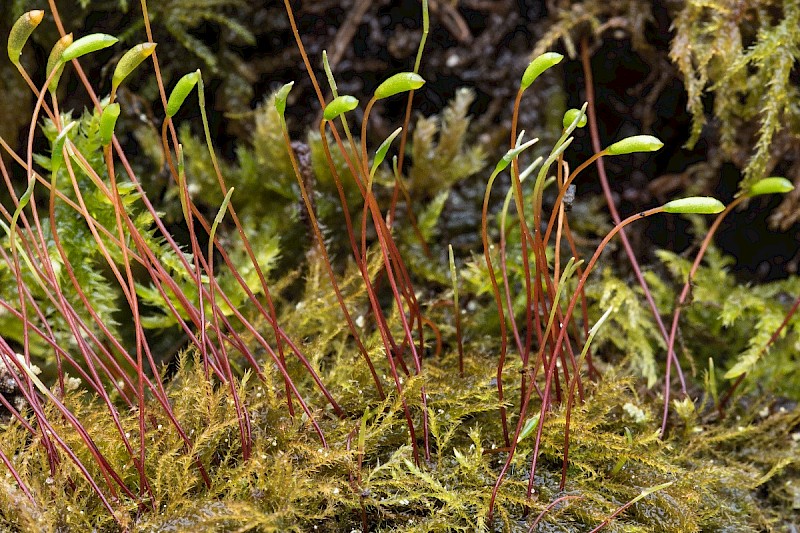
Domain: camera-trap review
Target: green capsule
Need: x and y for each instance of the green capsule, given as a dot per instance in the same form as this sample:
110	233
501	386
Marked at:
339	105
571	115
530	424
280	98
54	61
108	121
698	205
637	143
181	91
773	185
87	45
129	61
537	66
21	31
399	83
380	153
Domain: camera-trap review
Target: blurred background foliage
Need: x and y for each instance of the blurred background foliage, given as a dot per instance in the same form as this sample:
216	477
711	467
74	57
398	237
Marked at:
716	80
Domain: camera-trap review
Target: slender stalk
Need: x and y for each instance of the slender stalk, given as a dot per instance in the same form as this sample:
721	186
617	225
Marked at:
592	371
326	259
525	234
621	509
504	274
687	287
587	74
123	159
549	507
134	303
361	262
111	477
222	361
456	311
571	395
389	252
499	304
404	138
558	344
384	235
87	355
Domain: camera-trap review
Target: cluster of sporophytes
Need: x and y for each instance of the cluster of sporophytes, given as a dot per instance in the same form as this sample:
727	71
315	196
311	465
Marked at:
334	392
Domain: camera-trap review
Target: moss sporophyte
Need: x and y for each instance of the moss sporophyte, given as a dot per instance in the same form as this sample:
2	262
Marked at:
313	358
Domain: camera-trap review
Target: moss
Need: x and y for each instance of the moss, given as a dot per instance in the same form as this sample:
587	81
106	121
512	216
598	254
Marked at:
750	82
738	64
739	472
732	476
